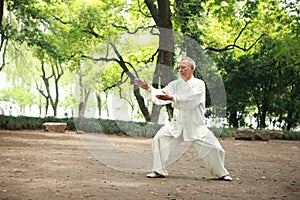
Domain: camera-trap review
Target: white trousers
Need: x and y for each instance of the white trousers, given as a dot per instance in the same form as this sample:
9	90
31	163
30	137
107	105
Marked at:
208	147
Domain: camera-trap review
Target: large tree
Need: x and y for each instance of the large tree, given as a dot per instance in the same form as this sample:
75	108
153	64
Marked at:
69	30
32	23
240	29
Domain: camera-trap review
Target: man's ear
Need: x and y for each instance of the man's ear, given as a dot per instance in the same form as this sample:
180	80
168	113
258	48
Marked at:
193	68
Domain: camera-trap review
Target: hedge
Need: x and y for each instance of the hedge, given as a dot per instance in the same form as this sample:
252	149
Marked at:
83	124
106	126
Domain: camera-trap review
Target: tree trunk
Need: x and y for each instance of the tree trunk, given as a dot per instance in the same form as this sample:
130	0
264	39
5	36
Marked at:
289	122
164	67
99	103
263	120
83	102
47	106
263	114
81	106
233	120
136	89
84	96
1	13
57	72
2	43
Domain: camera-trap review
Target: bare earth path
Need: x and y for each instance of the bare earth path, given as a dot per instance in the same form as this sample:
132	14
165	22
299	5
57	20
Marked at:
42	165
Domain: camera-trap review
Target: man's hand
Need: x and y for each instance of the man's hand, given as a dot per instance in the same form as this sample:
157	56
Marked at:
141	83
164	97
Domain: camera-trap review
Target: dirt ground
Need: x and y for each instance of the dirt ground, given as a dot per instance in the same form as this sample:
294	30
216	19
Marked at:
44	165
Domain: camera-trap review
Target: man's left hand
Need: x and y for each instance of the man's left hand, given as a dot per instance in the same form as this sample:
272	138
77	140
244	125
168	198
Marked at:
164	97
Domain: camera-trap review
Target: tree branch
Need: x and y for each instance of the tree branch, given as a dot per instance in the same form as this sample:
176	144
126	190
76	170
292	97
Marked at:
145	60
153	10
123	65
1	13
60	20
4	45
121	62
140	10
137	29
99	59
90	30
118	83
234	45
41	91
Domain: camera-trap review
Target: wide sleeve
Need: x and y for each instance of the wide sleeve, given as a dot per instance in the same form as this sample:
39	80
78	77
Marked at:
151	95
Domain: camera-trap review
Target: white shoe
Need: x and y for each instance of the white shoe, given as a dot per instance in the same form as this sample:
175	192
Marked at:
226	178
154	175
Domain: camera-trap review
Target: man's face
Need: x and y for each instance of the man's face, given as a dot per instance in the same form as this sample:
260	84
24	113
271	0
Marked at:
185	70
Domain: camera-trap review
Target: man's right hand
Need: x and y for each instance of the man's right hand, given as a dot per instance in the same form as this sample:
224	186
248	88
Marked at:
141	83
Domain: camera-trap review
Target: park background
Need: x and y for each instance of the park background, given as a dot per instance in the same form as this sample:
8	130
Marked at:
70	59
81	56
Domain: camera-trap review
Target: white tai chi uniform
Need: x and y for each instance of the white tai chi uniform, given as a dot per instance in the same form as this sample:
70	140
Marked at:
188	124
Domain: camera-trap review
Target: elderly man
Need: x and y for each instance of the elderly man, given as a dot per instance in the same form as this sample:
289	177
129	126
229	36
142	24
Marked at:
187	96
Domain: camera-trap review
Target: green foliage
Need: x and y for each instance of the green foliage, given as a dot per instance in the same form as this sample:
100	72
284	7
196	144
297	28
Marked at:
265	77
21	122
19	95
291	135
264	80
136	129
83	124
116	127
139	129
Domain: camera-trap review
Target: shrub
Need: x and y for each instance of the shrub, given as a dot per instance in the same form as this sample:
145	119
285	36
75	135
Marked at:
106	126
291	135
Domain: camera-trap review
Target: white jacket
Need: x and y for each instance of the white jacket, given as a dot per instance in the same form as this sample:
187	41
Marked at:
189	107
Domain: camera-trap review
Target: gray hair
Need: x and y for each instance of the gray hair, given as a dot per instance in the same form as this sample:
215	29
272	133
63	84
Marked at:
190	61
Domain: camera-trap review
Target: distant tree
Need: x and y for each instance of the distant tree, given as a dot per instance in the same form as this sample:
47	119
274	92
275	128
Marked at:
56	72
